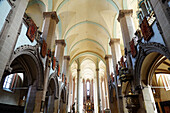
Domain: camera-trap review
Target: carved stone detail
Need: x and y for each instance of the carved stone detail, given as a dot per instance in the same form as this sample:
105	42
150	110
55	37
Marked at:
52	15
144	50
113	40
60	42
123	13
32	51
67	57
107	57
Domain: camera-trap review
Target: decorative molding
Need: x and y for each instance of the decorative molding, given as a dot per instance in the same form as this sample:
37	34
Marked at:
114	40
107	57
67	57
52	15
123	13
97	69
144	50
33	52
60	42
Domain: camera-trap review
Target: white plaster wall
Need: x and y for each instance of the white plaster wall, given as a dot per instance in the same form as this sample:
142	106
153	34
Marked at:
23	39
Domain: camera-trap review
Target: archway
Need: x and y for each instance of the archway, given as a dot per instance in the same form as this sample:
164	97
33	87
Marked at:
51	100
152	74
156	81
24	74
62	105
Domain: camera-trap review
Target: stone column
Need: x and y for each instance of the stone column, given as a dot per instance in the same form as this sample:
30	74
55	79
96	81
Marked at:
30	102
66	66
163	17
49	26
59	51
38	101
115	50
64	110
108	80
102	96
73	91
116	54
98	91
9	33
149	100
70	95
51	104
91	90
84	91
66	73
128	30
56	105
106	93
78	78
46	76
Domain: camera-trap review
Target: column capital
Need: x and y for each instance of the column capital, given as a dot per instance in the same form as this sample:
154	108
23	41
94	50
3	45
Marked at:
123	13
60	42
97	69
107	57
67	57
52	15
113	40
78	69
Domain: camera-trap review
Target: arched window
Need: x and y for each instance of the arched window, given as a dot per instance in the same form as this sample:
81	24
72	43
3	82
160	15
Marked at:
165	79
11	81
88	88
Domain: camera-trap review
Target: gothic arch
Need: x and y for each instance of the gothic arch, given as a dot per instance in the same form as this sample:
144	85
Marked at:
63	95
26	59
145	50
53	83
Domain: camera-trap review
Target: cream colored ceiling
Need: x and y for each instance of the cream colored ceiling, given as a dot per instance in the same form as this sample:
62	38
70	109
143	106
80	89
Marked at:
86	26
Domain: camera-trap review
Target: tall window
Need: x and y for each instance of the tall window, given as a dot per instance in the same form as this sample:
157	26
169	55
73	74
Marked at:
7	83
11	81
5	8
88	88
165	80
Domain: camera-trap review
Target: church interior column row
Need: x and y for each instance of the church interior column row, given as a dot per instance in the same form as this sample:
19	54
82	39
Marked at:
50	20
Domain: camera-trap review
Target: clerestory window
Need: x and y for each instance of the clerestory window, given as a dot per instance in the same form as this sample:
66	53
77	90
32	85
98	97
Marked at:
88	88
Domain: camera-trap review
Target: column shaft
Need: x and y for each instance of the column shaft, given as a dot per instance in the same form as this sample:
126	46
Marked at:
128	30
66	73
56	105
98	91
70	90
38	101
108	80
106	93
50	104
46	76
91	90
78	78
30	102
103	103
50	21
59	52
149	100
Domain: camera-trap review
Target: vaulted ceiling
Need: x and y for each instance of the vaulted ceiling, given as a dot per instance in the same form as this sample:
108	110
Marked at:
86	25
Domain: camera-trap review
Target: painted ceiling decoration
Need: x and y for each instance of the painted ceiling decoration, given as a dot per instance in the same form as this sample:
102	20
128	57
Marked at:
87	27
